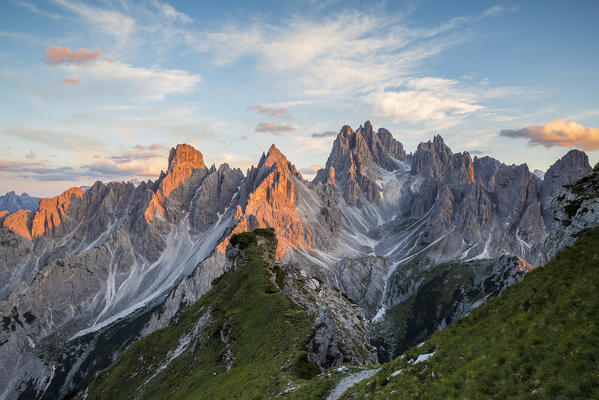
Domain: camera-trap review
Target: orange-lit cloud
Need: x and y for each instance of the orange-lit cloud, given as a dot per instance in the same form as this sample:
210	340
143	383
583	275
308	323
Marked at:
56	55
273	128
71	81
558	133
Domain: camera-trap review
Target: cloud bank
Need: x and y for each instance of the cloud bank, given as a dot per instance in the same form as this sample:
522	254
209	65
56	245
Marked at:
558	133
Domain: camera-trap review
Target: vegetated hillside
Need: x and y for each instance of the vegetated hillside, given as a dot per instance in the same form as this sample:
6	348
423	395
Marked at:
245	339
539	339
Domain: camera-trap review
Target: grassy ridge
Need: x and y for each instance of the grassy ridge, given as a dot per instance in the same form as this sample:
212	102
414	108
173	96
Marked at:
265	332
539	339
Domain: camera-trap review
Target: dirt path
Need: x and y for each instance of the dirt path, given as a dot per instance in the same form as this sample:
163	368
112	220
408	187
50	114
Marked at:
350	381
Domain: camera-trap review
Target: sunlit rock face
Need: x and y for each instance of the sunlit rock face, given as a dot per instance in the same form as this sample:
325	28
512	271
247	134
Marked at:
268	200
50	213
182	162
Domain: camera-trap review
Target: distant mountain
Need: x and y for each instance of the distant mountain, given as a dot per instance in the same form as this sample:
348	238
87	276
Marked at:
12	202
417	240
537	340
540	174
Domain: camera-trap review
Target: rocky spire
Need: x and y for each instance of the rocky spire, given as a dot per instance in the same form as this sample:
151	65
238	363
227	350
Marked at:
432	157
268	201
183	160
356	160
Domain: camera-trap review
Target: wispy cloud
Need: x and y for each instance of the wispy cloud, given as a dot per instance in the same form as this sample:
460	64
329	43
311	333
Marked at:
120	80
270	111
34	9
54	139
324	134
558	133
56	55
327	57
114	169
273	128
109	22
130	24
311	170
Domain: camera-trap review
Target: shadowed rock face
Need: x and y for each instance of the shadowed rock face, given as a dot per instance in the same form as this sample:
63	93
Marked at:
12	202
355	160
571	167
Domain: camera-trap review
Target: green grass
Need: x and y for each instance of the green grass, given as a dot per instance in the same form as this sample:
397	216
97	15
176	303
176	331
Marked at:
539	340
268	335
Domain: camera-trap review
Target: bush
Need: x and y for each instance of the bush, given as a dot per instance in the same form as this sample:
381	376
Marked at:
243	240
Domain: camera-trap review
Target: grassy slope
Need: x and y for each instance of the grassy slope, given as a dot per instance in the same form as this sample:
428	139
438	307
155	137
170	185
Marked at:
268	336
539	339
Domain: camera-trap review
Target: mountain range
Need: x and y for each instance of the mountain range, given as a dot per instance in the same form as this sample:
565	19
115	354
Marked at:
13	202
416	240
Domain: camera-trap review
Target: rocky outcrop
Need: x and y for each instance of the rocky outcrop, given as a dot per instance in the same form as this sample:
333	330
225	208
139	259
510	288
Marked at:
19	222
574	209
12	202
568	169
340	335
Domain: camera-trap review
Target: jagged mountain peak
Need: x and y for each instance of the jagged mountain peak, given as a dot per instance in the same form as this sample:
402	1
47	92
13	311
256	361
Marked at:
274	159
274	156
431	157
185	156
183	160
572	166
357	160
13	202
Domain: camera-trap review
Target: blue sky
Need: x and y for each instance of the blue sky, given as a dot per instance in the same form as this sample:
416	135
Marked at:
101	90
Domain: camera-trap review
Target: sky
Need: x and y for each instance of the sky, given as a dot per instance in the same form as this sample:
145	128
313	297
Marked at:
101	90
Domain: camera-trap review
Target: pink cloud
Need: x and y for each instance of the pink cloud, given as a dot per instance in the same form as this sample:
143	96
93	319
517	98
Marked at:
273	128
558	133
56	55
273	112
71	81
155	146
